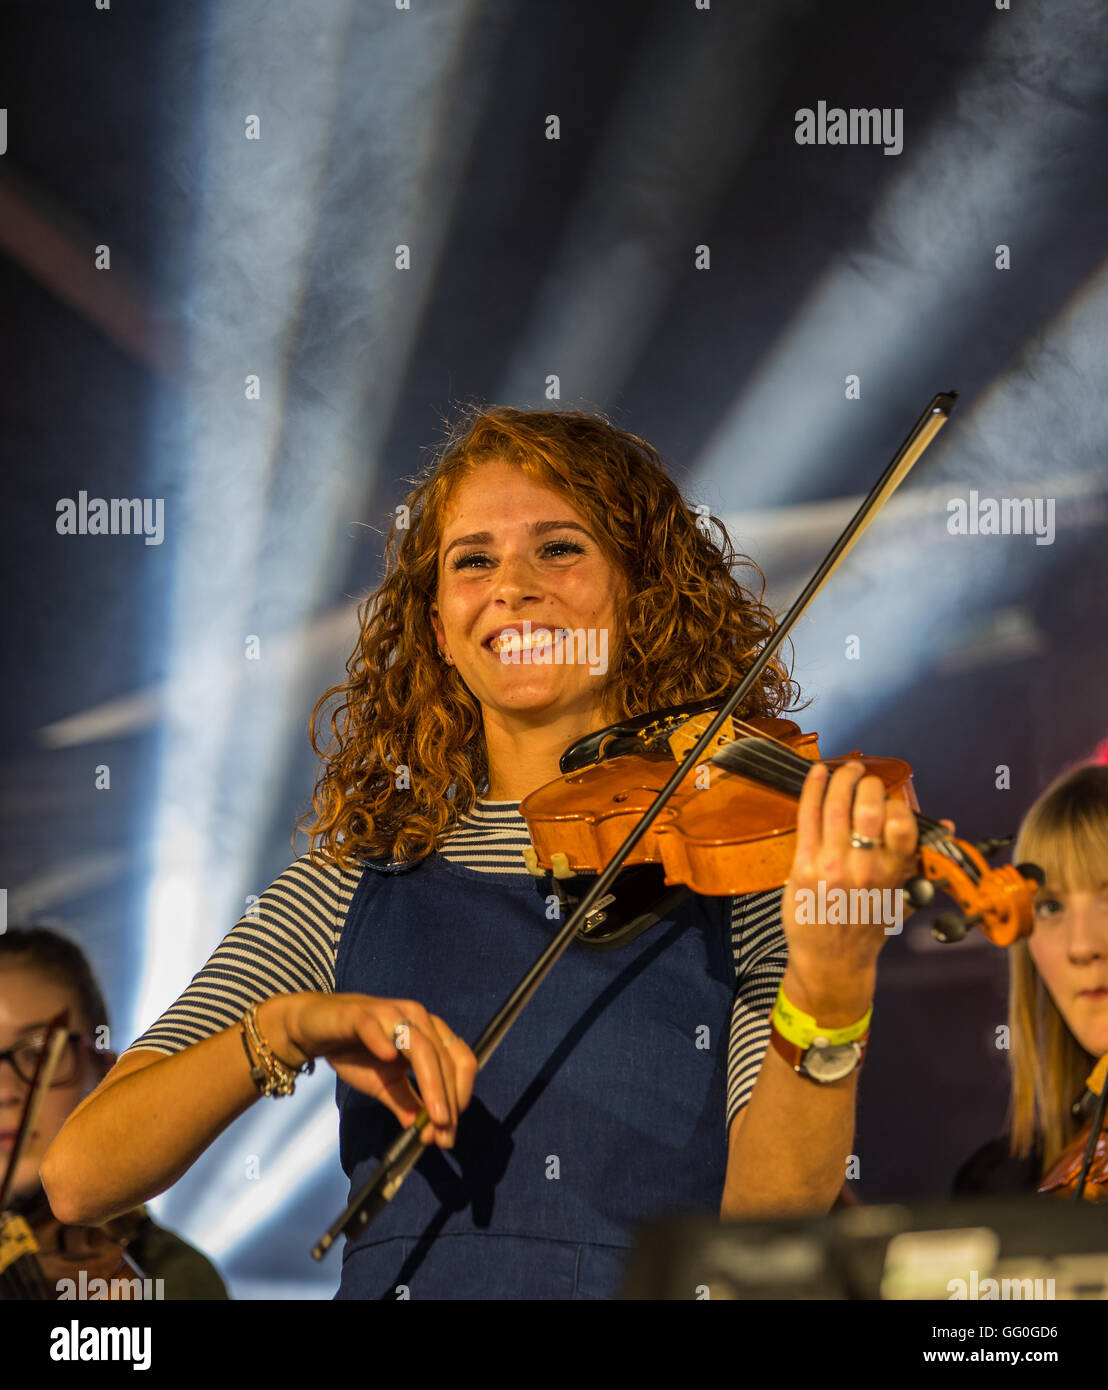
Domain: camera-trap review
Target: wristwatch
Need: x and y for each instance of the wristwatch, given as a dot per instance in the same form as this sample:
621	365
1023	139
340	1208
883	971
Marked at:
819	1054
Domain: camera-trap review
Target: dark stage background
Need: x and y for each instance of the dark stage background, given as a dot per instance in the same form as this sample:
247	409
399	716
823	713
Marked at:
220	322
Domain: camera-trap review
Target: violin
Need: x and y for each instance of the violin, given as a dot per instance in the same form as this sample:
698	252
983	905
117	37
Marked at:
40	1255
730	826
1081	1170
41	1258
1062	1179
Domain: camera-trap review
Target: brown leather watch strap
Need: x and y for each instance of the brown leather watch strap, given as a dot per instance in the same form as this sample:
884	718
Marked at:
794	1054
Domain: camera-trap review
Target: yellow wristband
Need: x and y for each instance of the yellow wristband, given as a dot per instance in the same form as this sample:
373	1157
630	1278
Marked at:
802	1029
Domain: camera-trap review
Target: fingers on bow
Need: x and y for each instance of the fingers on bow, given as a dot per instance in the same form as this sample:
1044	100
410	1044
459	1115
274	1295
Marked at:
420	1040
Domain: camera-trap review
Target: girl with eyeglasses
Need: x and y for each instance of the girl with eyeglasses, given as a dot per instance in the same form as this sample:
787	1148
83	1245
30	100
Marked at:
43	973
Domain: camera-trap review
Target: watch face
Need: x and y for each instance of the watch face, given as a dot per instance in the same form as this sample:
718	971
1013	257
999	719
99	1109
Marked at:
831	1063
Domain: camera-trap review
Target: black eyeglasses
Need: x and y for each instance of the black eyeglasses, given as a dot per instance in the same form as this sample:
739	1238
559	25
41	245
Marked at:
25	1056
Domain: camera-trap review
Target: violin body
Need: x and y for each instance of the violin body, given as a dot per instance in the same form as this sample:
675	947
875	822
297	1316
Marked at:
728	837
730	826
38	1254
1061	1180
1065	1174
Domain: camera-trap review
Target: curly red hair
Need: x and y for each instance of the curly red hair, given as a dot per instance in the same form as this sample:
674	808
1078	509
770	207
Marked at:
686	630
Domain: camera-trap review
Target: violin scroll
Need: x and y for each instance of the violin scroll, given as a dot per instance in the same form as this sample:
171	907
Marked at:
999	901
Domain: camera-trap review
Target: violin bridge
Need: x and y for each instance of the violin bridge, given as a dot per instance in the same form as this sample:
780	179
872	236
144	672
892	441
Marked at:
683	738
16	1239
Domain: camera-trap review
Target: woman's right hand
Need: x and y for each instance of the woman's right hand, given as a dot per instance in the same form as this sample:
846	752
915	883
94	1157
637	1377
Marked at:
354	1033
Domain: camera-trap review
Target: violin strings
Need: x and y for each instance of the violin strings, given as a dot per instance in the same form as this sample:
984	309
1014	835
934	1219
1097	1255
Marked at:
772	754
24	1278
793	760
768	760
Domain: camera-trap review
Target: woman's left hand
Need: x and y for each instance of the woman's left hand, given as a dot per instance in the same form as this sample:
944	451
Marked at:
832	966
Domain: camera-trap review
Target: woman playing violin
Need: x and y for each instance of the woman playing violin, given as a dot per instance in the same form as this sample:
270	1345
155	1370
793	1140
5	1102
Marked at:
638	1081
43	973
1058	986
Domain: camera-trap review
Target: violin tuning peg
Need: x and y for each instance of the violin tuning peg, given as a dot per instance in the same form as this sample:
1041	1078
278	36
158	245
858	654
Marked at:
949	927
920	890
1031	871
987	848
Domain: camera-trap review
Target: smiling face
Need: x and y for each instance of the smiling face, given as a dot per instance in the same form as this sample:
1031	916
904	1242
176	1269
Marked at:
1069	945
29	998
514	552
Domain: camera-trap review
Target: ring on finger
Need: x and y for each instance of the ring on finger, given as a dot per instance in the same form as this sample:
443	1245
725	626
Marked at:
864	842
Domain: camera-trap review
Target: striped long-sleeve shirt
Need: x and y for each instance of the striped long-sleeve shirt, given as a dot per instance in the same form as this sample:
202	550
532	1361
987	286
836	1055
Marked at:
288	943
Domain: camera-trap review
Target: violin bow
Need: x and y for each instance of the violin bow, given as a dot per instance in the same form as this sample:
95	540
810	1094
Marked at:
399	1159
44	1073
20	1274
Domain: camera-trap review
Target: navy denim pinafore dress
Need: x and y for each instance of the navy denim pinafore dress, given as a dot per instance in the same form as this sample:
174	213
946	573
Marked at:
603	1106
